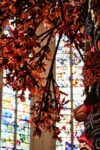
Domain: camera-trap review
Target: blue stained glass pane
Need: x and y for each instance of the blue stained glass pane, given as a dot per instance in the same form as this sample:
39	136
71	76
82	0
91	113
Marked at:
8	116
23	123
23	129
23	116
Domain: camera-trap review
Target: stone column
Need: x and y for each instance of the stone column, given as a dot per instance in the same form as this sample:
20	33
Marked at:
46	141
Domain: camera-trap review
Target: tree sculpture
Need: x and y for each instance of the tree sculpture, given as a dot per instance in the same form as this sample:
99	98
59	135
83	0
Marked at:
24	52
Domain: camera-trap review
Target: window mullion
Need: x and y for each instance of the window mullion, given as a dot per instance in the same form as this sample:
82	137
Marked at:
15	127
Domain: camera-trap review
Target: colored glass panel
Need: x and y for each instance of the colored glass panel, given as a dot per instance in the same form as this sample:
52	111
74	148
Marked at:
14	122
63	77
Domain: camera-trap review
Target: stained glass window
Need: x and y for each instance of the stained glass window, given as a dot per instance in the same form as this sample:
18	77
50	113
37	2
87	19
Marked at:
63	77
15	129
